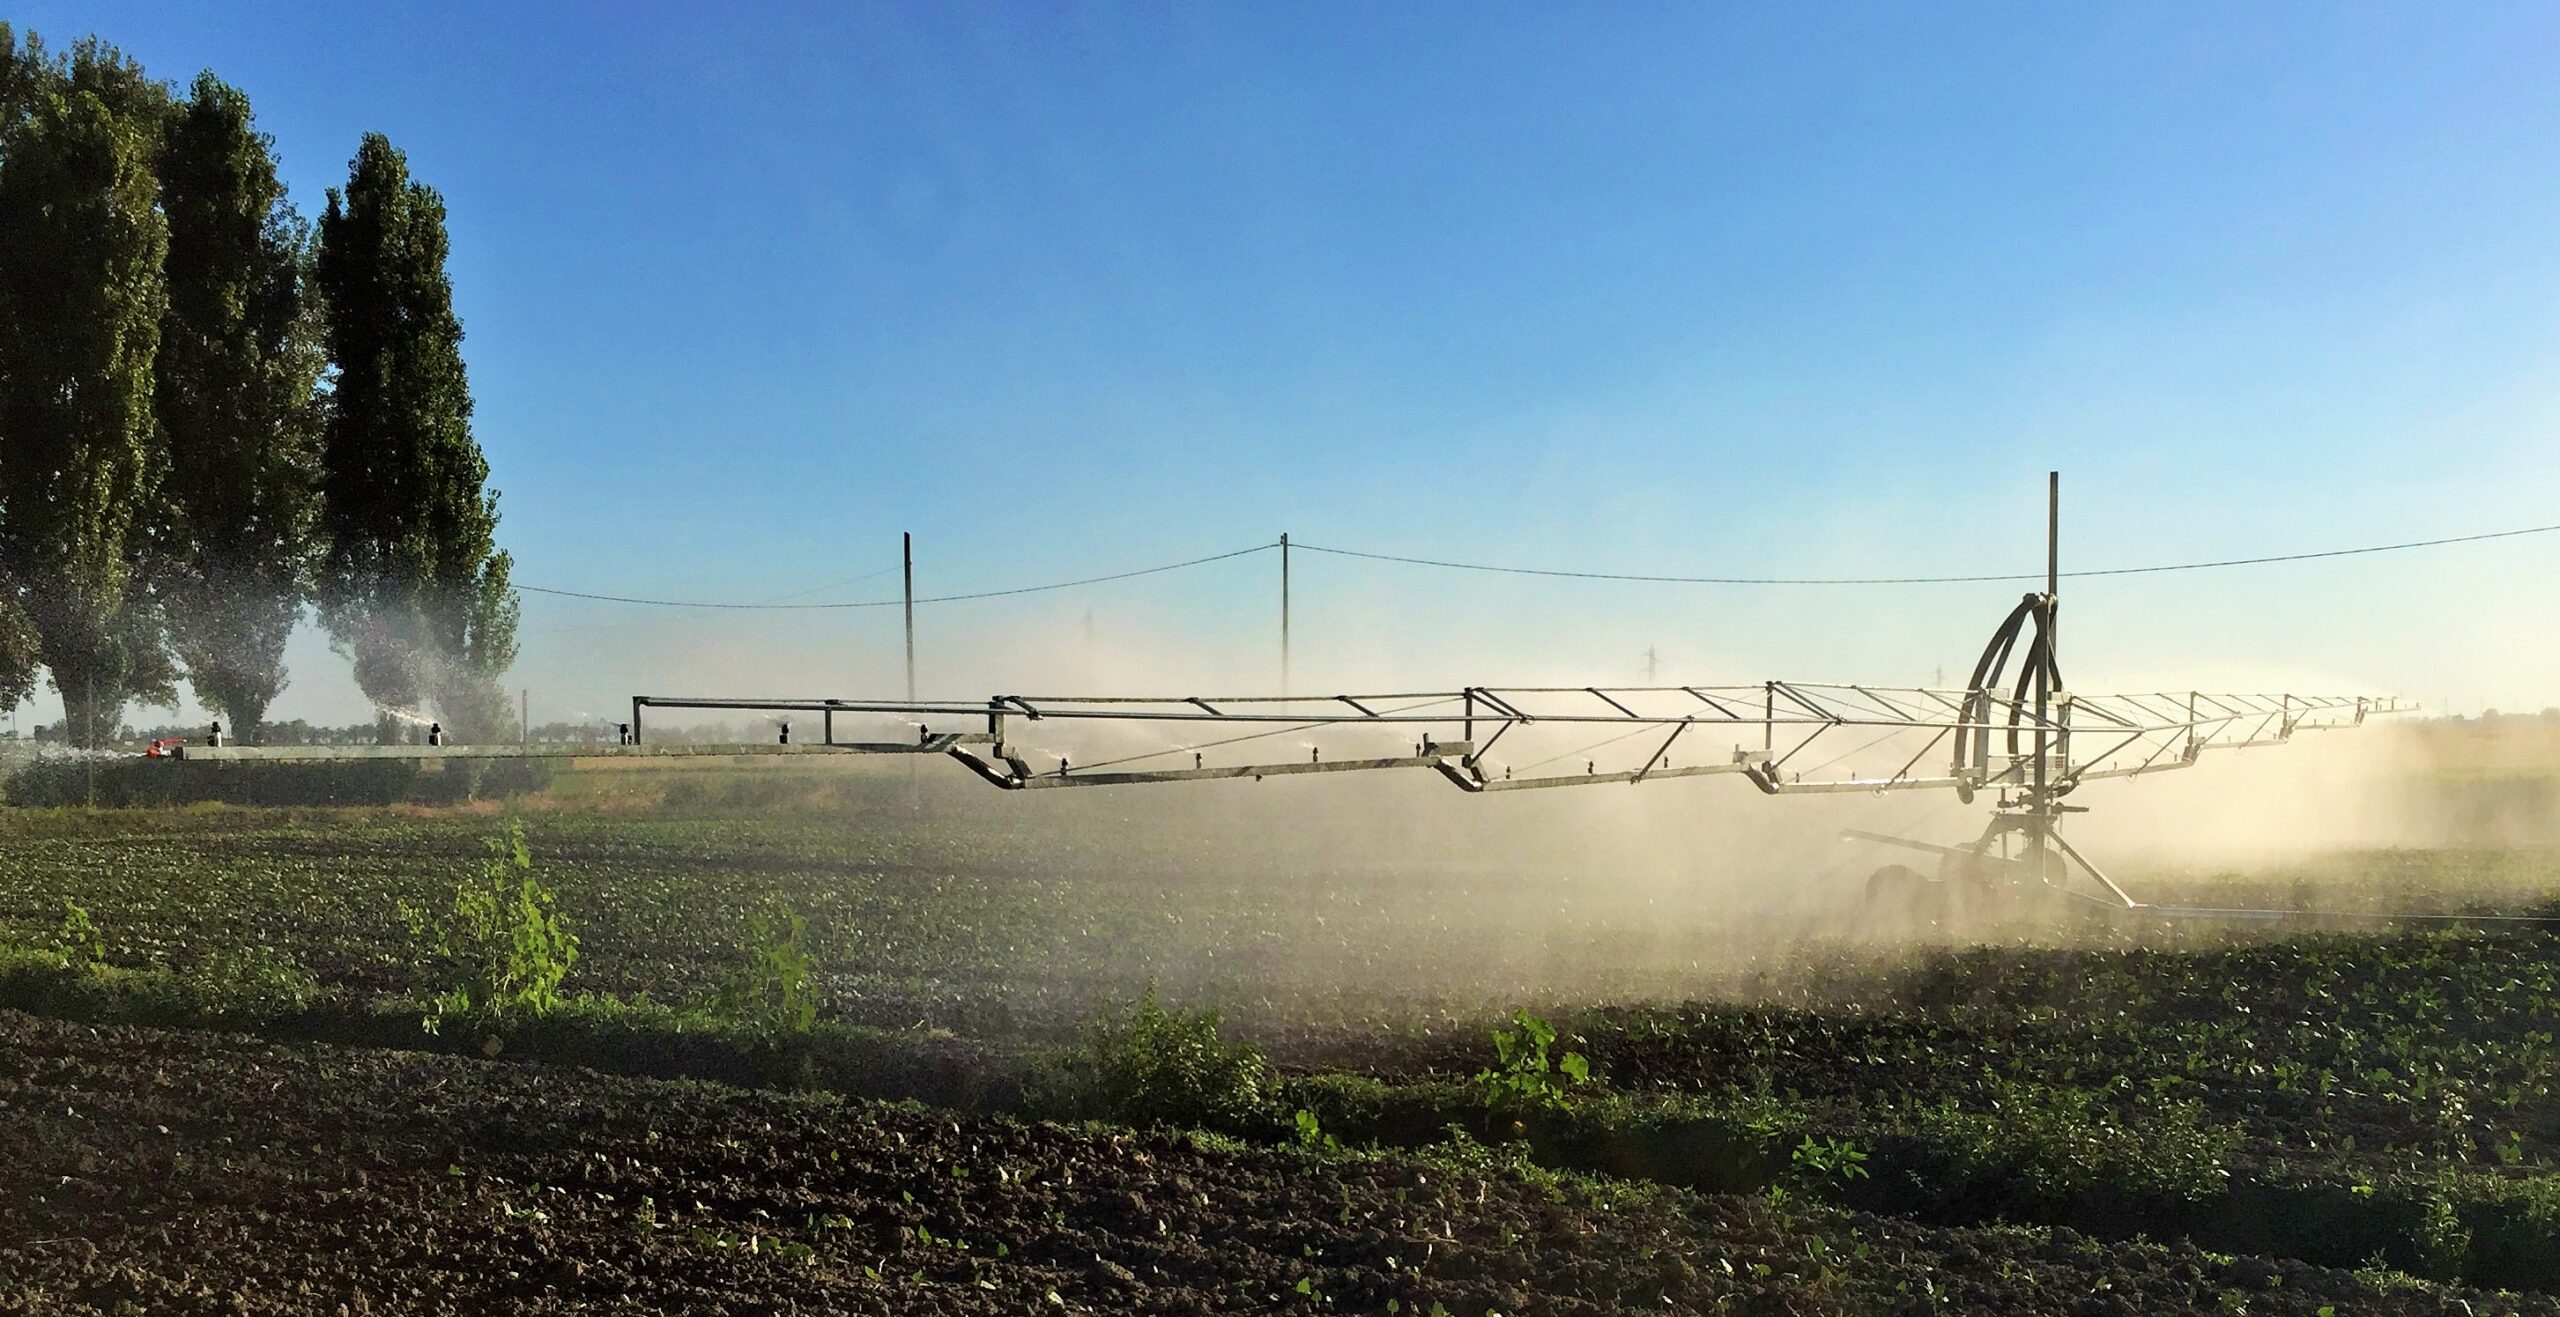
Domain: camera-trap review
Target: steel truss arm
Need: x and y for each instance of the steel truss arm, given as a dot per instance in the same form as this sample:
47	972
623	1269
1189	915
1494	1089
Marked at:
1452	731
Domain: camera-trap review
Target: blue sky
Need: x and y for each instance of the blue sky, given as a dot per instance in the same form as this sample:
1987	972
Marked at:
1689	289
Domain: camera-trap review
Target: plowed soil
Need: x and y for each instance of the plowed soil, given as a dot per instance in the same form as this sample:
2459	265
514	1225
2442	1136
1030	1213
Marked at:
157	1171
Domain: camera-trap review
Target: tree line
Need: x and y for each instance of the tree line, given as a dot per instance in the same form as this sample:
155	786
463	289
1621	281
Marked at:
215	415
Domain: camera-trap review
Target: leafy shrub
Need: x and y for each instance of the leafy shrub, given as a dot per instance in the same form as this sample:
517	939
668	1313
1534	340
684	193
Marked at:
2055	1145
229	989
2444	1238
504	778
1143	1064
249	983
2513	1232
774	985
504	943
1523	1076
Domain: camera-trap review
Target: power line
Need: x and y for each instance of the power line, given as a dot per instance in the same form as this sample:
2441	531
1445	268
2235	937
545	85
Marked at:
893	603
833	585
2325	553
1639	577
602	627
1916	580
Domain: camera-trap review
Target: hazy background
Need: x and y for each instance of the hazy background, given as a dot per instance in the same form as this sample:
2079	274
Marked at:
1820	291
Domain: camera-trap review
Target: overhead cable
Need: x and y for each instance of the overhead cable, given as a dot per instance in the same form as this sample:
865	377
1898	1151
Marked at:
1913	580
894	603
1637	577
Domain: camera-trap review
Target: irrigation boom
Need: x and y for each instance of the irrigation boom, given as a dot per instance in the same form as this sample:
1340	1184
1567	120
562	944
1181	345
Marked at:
2014	729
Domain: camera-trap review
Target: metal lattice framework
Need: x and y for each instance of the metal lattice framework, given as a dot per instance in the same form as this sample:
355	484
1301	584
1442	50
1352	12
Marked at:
2014	728
1457	733
2018	746
2011	728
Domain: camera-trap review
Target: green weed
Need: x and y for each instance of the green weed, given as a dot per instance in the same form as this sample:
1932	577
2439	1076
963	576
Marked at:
503	943
2060	1144
1144	1064
1829	1159
1523	1076
78	938
774	985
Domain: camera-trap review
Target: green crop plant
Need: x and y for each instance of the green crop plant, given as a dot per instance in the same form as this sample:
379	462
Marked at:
774	983
1829	1159
1525	1074
502	941
252	982
2060	1143
1144	1064
78	938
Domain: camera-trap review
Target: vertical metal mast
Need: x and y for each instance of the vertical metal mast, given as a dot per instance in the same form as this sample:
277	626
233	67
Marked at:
2053	622
1284	612
907	558
2040	803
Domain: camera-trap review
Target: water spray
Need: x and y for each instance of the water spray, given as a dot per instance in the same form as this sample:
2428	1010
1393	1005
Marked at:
2012	731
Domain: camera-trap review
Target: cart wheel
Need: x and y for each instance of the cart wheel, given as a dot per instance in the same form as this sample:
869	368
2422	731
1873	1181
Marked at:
1900	893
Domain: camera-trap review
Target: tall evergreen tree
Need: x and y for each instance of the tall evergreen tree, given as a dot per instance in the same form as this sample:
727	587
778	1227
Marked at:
24	68
238	366
21	651
80	304
413	587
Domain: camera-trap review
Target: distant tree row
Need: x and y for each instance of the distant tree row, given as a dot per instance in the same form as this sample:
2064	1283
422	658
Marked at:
212	417
275	731
563	732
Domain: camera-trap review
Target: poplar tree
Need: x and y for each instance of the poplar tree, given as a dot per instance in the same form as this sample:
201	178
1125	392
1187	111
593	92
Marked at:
413	587
20	649
81	299
238	366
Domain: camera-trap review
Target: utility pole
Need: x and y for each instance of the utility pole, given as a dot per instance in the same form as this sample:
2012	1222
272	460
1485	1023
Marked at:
1652	665
907	556
1284	612
907	568
524	716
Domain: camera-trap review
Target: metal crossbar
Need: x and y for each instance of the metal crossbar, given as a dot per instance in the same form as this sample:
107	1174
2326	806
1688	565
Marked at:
1452	730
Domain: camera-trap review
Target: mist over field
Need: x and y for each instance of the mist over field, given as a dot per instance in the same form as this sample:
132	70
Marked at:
1343	481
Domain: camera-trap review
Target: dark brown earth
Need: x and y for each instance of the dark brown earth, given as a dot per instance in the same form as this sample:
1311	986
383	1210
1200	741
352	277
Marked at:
162	1171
